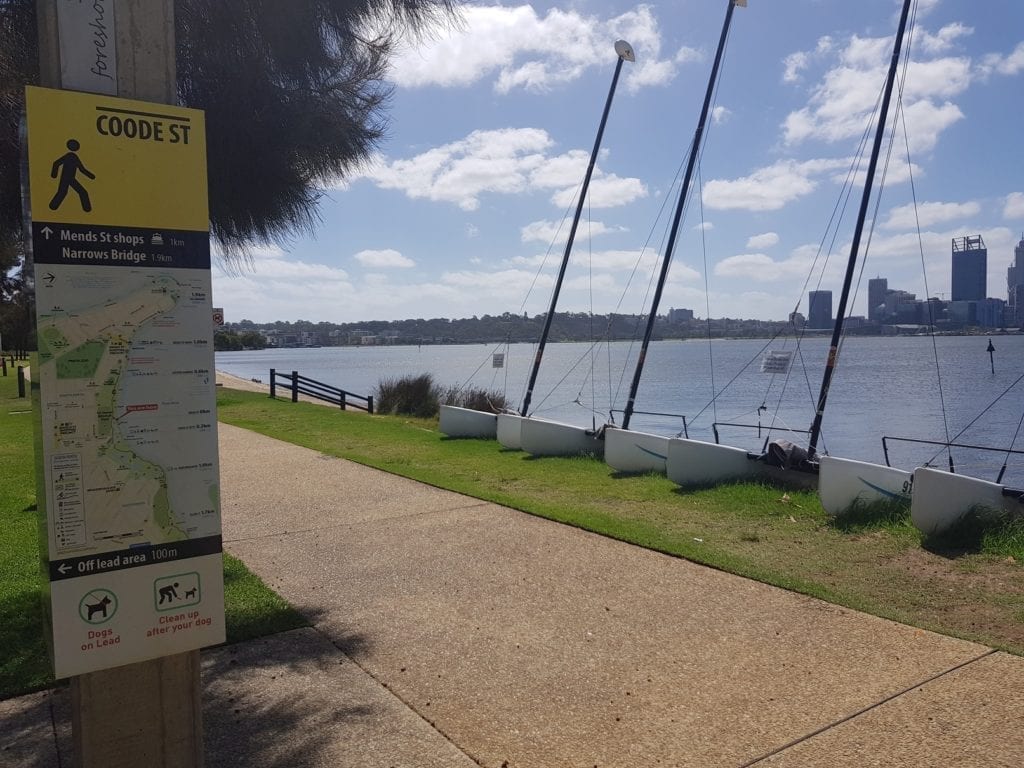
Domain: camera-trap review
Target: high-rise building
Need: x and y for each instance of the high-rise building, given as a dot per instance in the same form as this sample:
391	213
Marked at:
970	265
877	288
1015	287
819	309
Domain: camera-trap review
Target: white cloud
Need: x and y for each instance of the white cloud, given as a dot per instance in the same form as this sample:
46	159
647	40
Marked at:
681	273
929	214
1010	64
560	171
896	173
555	232
762	268
944	39
764	240
518	48
510	283
720	114
609	261
511	161
793	65
500	161
1014	206
926	121
605	192
384	259
769	188
617	261
843	101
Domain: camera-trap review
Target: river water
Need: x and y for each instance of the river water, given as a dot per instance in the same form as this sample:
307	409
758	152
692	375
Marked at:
883	386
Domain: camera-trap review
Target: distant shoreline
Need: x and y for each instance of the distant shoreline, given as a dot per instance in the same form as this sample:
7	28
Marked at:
981	333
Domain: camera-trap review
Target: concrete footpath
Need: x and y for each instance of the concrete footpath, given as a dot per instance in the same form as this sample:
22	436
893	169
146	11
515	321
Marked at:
453	632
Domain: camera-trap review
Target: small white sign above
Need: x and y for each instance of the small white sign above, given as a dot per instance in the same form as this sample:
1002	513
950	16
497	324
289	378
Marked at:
777	362
88	56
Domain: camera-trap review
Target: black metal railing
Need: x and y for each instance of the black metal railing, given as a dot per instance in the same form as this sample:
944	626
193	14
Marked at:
658	413
943	444
762	429
303	385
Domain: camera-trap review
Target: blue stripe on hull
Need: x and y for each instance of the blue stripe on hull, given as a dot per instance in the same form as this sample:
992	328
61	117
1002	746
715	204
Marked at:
650	453
883	491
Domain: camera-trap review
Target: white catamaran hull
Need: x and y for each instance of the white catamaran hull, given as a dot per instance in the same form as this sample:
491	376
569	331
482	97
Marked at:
842	483
635	452
695	463
466	422
940	499
540	437
510	426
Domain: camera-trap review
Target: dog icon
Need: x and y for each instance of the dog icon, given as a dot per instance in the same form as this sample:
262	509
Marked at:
99	607
190	593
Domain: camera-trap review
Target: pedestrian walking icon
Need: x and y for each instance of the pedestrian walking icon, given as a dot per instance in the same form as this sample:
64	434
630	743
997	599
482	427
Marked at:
68	166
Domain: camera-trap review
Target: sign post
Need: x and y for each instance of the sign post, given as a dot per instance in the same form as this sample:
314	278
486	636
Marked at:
145	713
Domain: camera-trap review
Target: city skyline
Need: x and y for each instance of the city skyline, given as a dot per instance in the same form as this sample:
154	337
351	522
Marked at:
492	123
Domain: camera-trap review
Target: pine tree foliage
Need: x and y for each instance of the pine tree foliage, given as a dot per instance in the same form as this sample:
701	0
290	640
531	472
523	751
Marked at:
293	90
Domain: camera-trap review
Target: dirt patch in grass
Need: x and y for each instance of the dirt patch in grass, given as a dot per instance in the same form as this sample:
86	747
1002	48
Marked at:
979	596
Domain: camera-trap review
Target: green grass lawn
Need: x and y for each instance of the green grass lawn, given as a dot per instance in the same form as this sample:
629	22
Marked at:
971	587
251	609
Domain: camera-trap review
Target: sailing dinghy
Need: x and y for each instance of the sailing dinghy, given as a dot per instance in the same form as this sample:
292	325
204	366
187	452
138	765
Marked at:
638	452
506	427
542	437
694	463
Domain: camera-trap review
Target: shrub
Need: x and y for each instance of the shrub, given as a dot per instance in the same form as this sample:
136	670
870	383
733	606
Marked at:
408	396
476	398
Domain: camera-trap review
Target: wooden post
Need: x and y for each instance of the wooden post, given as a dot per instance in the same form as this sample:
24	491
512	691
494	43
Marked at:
21	381
273	382
295	386
147	713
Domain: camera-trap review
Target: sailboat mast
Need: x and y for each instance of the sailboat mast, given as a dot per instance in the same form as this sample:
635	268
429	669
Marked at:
625	53
837	331
680	205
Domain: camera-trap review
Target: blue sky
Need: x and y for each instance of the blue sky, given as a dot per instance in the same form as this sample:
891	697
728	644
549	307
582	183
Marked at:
492	123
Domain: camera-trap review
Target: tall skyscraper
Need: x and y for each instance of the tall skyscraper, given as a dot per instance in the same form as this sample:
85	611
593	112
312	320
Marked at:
1015	286
819	309
877	288
970	265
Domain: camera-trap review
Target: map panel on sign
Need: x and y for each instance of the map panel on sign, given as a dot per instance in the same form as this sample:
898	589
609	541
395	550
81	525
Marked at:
126	367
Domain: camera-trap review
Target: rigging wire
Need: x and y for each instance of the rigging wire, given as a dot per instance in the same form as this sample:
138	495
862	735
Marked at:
920	246
568	373
976	418
590	252
736	376
707	295
636	268
483	362
831	229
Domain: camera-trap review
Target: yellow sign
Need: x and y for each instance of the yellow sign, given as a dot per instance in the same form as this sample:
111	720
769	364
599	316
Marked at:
116	162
